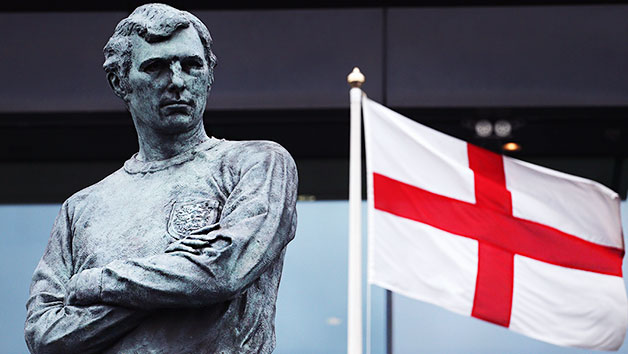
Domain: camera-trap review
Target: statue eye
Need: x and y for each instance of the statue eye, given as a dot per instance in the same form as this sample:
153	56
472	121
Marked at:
154	66
191	63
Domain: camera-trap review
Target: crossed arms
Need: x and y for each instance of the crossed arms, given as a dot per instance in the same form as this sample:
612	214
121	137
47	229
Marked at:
91	310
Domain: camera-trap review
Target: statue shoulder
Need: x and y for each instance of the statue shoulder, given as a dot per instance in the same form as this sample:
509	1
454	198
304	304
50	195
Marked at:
245	153
95	191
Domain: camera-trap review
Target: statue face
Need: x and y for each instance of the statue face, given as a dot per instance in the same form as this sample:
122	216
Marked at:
168	82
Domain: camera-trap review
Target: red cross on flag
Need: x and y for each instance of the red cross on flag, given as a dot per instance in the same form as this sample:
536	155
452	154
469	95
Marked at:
499	239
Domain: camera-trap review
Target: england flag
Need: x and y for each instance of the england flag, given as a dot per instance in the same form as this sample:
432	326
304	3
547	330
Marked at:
484	235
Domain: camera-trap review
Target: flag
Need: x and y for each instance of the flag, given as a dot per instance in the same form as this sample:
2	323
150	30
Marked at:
522	246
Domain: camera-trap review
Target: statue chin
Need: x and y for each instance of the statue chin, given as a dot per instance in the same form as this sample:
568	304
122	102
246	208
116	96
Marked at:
178	124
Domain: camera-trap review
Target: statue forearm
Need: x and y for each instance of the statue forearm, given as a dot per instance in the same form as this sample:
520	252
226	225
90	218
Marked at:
75	329
164	281
179	278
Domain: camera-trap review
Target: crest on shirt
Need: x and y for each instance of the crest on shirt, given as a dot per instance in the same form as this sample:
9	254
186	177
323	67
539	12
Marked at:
190	216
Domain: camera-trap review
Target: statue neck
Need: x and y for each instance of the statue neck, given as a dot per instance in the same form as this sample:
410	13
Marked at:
156	146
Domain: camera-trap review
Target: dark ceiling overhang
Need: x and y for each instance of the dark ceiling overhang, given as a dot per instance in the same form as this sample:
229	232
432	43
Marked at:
49	156
65	6
317	133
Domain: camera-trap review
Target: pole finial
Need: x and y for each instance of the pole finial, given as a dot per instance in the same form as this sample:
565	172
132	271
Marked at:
355	78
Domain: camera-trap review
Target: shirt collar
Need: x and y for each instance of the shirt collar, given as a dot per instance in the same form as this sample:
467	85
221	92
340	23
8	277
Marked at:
133	165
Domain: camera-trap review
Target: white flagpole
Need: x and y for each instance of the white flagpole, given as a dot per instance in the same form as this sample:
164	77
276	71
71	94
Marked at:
354	305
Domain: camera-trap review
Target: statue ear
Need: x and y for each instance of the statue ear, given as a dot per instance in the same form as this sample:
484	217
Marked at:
116	85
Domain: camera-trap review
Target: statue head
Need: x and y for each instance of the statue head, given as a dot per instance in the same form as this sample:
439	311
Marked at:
159	61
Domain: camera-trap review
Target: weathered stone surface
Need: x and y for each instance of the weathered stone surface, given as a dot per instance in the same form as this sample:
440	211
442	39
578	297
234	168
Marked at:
181	250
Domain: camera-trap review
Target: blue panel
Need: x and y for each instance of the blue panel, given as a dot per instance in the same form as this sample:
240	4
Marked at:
311	311
23	236
312	305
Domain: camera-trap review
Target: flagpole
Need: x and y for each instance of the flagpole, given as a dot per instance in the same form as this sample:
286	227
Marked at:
354	302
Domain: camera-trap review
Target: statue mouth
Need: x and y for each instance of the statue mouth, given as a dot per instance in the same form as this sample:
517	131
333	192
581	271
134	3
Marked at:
176	104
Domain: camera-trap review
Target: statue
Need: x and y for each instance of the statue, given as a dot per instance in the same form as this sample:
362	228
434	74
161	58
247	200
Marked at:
181	249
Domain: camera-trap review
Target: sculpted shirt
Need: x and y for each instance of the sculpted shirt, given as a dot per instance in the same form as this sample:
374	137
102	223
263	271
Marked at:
105	283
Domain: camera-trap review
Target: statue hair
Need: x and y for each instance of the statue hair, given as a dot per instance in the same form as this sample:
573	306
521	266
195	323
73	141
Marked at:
154	23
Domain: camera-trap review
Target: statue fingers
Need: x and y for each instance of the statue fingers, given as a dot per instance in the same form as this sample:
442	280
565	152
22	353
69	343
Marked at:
180	246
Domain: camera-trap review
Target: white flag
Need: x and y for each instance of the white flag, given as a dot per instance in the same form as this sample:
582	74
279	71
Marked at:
489	236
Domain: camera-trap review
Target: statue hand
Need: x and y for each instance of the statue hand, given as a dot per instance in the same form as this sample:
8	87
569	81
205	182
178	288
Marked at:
199	240
190	245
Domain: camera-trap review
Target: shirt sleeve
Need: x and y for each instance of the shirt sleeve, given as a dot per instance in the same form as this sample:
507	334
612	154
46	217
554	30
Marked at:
257	222
55	327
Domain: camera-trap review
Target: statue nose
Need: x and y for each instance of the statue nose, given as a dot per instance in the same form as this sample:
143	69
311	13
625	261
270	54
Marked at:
177	82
